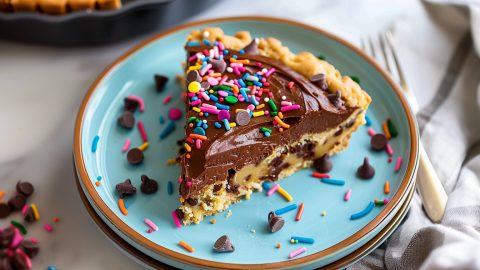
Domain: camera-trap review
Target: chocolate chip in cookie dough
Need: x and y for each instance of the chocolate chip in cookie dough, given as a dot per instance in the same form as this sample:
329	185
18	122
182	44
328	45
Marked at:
223	244
135	156
320	80
4	210
378	142
148	185
126	120
160	82
252	47
17	201
25	188
275	223
125	188
192	201
336	99
365	171
323	164
130	104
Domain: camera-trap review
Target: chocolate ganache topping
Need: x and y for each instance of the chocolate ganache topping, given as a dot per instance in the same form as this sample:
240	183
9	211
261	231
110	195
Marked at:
293	106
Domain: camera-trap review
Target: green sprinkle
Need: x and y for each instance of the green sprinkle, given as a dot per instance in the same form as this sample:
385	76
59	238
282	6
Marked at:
221	87
272	105
19	226
321	57
379	203
392	128
273	113
249	83
191	119
355	79
231	99
264	129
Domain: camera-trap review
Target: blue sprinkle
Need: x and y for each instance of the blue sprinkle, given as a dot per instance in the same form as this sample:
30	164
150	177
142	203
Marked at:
99	178
167	130
205	126
226	52
194	98
193	43
230	93
305	240
162	120
205	114
333	181
220	57
203	65
254	101
242	83
125	202
364	212
95	143
217	125
368	121
214	98
199	123
266	186
242	51
170	188
223	107
244	94
267	134
205	59
257	83
234	56
199	131
51	267
215	43
286	209
245	76
226	124
207	42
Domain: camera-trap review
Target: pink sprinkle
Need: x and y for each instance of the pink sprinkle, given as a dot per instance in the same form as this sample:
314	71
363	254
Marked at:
212	81
167	99
223	80
150	224
195	102
34	240
266	112
220	46
17	239
347	195
180	180
209	110
204	96
205	69
251	107
222	93
209	106
193	57
26	259
139	100
290	85
149	230
24	209
215	52
48	227
198	144
272	189
241	69
286	103
398	164
290	108
191	94
176	220
258	64
189	140
126	145
297	252
236	65
385	201
236	71
389	149
174	114
189	184
270	94
371	132
269	72
264	80
143	133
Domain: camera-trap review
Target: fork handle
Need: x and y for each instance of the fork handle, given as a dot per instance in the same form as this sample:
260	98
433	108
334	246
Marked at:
434	197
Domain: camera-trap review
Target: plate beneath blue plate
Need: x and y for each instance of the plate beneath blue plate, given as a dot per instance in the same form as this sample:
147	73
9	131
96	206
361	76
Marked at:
334	233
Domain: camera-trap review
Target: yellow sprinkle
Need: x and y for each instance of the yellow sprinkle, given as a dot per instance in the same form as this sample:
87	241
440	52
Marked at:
196	67
261	106
285	194
237	110
194	87
36	214
187	146
386	130
182	199
196	109
171	161
233	124
144	146
211	91
259	113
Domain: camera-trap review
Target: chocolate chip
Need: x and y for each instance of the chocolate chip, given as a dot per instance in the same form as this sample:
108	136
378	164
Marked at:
6	237
378	142
179	213
135	156
25	188
365	171
242	118
223	244
336	99
217	187
126	120
125	188
20	260
4	210
275	223
160	82
323	164
252	47
30	248
130	104
218	65
29	216
17	201
320	80
192	201
148	185
5	263
193	76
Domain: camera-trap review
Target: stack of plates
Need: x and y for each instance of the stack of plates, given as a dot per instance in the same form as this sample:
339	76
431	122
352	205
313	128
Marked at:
339	241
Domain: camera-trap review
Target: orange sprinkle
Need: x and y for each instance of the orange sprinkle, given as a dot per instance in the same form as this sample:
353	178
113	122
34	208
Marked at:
243	61
97	183
196	136
182	199
386	187
121	205
56	219
261	106
187	155
386	131
235	89
200	113
280	129
216	74
279	246
186	246
300	212
280	114
190	125
2	194
213	221
280	122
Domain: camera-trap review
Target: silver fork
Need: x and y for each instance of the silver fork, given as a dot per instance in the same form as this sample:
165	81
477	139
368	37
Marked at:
434	197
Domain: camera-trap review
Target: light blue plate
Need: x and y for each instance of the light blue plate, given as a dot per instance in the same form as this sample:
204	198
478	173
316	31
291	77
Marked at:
335	234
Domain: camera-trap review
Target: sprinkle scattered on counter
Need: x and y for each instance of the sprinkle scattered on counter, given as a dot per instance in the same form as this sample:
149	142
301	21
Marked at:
398	164
126	145
121	206
213	221
169	128
368	121
300	239
48	227
186	246
335	182
364	212
151	224
320	175
170	188
286	209
347	195
297	252
278	246
380	202
285	194
273	189
176	220
95	143
386	187
300	212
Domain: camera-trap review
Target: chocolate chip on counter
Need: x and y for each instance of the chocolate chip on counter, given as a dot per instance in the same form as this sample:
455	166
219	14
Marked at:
365	171
160	82
148	185
6	237
242	118
378	142
25	188
4	210
29	216
320	80
130	104
193	76
135	156
192	201
30	248
275	223
218	65
323	164
126	120
252	47
17	201
223	244
125	188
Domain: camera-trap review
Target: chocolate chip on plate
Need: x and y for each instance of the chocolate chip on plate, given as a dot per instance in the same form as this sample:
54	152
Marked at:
365	171
160	82
17	201
25	188
323	164
135	156
148	185
4	210
130	104
223	244
275	223
125	188
126	120
378	142
30	248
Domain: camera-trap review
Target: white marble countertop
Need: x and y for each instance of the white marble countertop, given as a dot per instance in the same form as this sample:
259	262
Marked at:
41	89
